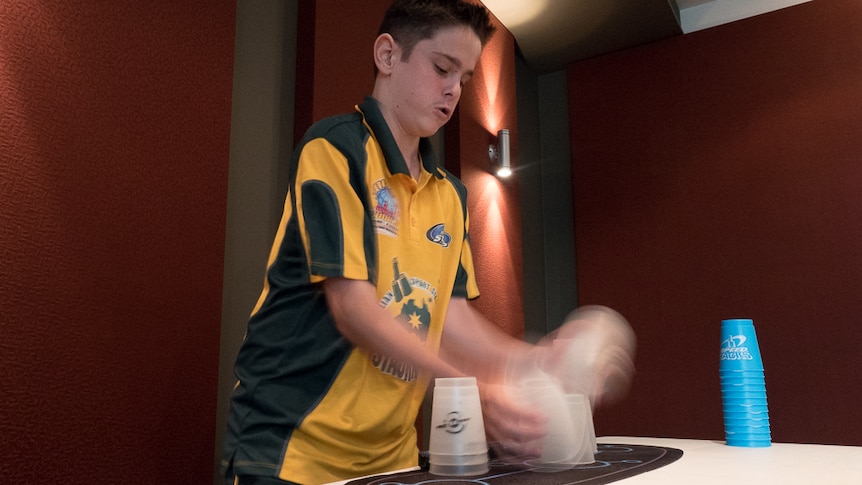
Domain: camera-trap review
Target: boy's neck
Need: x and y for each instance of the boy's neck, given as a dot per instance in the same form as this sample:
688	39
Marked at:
408	145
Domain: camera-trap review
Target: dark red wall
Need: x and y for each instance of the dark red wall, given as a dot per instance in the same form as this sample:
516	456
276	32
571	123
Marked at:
114	133
488	105
335	71
718	175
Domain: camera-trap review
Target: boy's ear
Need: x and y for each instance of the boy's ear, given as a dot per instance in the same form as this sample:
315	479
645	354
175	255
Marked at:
384	53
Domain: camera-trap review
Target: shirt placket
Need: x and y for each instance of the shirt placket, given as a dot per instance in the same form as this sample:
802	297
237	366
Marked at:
414	208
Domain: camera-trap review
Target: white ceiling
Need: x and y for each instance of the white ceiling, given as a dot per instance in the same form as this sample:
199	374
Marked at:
553	33
702	14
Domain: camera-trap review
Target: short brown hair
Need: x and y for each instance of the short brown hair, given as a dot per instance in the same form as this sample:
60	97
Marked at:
410	21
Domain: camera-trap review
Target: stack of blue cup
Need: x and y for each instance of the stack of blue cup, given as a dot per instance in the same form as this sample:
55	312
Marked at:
743	387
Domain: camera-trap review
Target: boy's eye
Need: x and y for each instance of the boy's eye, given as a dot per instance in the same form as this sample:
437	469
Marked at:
440	70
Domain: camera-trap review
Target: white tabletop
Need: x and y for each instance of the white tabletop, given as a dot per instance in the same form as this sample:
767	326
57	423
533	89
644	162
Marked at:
712	462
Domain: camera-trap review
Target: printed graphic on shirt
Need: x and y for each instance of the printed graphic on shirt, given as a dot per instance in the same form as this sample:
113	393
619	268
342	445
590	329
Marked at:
438	235
385	210
412	300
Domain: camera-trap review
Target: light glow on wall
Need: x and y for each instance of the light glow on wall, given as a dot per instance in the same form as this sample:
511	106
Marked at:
488	84
494	212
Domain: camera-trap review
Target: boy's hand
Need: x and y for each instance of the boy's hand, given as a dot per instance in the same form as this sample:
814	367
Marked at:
593	353
511	429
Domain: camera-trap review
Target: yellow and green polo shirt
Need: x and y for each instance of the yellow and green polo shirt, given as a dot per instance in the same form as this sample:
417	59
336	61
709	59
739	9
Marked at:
309	407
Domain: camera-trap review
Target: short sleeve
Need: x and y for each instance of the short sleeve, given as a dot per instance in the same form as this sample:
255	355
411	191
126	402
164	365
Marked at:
331	214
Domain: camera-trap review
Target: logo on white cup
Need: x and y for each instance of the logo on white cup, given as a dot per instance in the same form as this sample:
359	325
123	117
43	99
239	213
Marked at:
453	423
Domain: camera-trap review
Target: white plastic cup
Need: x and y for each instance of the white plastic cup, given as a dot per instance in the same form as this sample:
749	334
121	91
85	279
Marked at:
583	429
457	445
540	391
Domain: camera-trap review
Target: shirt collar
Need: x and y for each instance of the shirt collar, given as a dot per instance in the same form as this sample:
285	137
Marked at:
394	160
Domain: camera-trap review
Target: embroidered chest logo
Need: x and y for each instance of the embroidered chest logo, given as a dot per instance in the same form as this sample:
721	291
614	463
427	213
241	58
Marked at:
438	235
385	210
412	300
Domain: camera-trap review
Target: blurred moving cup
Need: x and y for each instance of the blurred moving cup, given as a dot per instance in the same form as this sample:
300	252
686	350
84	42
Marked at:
539	390
457	445
583	429
593	353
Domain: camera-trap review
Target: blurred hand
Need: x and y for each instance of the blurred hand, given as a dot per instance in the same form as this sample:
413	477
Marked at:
614	371
511	428
593	353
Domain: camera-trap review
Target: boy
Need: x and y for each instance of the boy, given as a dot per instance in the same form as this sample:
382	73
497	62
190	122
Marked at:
367	284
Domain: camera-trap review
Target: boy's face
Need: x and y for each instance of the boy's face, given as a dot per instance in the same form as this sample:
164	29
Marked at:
427	86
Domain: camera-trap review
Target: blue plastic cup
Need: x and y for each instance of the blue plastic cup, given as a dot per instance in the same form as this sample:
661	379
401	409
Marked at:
735	410
739	419
740	377
743	394
739	348
749	443
743	381
730	385
730	412
742	420
764	434
747	435
735	374
736	413
752	423
751	410
743	401
743	387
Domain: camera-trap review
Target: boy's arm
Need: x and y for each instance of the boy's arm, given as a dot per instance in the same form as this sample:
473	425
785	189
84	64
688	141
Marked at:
366	324
478	348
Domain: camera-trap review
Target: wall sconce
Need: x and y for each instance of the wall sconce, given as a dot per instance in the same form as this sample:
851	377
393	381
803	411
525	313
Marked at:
500	156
